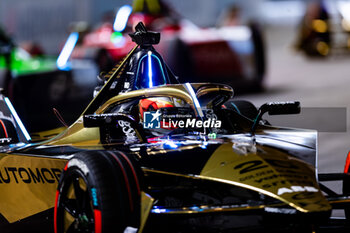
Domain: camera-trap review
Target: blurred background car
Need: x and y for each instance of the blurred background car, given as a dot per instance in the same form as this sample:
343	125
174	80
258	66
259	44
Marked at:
314	37
233	52
325	28
27	76
17	61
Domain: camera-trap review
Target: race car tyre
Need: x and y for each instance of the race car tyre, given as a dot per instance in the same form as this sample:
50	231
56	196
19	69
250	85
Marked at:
99	191
346	192
243	107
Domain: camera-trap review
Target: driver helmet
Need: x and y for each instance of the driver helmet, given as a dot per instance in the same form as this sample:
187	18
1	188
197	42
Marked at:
156	103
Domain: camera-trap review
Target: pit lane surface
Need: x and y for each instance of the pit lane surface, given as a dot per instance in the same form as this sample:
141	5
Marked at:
315	83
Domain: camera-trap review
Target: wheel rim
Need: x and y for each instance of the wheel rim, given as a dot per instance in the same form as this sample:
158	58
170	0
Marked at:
75	209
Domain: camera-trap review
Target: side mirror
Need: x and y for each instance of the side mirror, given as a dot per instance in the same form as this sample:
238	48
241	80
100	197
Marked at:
281	108
276	108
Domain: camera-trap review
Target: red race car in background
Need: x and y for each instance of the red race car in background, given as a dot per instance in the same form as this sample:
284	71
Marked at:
231	53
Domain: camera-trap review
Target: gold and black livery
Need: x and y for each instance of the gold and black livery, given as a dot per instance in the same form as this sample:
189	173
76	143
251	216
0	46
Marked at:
107	172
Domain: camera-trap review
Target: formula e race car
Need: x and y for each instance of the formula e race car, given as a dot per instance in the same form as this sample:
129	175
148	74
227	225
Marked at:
150	154
233	54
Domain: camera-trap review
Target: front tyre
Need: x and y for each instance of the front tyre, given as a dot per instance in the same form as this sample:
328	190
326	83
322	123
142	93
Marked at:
99	191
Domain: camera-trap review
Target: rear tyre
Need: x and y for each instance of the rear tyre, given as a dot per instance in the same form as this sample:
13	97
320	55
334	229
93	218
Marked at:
243	107
99	191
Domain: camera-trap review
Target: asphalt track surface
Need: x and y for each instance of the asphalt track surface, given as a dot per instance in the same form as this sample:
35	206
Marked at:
316	83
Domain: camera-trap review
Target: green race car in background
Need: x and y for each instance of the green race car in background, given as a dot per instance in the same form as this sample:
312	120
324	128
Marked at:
22	63
29	79
19	62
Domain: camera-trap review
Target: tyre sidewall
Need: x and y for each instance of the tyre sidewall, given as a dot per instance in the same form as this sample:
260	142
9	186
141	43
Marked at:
105	189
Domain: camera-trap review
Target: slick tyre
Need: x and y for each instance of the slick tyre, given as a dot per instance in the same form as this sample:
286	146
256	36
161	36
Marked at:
243	107
99	191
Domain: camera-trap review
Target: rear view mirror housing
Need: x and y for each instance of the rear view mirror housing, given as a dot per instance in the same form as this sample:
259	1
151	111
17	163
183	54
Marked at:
280	108
276	108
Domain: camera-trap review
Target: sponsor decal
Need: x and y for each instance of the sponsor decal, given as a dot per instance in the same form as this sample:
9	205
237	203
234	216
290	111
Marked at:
79	164
284	173
155	120
128	131
293	189
5	140
29	175
284	182
280	210
130	230
94	197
